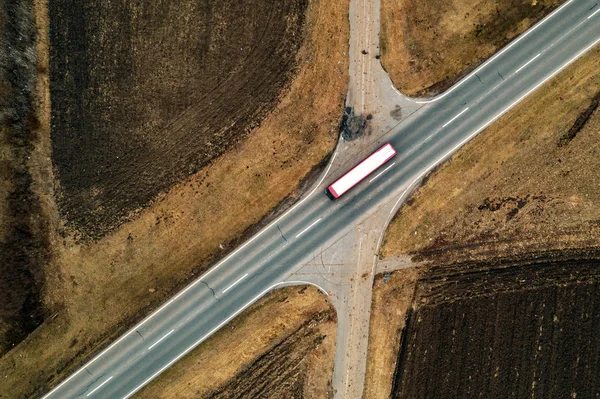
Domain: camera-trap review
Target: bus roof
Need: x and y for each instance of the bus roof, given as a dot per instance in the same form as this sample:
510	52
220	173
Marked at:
362	170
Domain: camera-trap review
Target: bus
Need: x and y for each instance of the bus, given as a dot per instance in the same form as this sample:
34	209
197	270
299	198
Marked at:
360	171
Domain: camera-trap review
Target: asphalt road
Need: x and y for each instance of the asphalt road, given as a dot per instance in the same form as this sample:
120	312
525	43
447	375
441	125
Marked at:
444	124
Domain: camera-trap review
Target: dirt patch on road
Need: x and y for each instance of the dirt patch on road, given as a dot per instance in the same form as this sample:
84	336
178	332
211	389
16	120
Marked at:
514	188
98	289
427	46
511	328
282	347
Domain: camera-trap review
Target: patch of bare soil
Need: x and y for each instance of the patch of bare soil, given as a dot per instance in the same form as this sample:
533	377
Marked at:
96	290
518	186
145	94
521	327
427	46
281	347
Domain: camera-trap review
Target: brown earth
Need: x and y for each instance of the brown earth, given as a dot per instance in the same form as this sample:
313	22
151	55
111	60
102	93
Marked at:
512	328
146	94
426	46
390	303
281	347
96	290
516	187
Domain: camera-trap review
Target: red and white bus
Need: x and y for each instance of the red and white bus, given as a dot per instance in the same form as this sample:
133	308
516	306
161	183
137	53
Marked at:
362	170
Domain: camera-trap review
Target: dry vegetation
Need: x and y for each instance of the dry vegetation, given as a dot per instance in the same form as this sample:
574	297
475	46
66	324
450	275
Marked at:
426	46
24	154
391	301
95	290
281	347
518	186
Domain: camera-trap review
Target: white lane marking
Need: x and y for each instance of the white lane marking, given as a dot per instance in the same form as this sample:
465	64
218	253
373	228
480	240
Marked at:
545	50
382	172
594	13
493	120
453	119
100	386
235	282
149	317
163	337
309	227
211	332
527	63
399	199
498	54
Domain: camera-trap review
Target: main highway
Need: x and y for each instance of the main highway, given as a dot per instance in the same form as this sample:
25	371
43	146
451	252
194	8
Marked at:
442	125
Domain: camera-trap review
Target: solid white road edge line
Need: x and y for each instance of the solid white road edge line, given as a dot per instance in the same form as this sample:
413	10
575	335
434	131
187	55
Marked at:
163	337
453	119
211	332
100	386
594	13
235	282
195	282
304	199
399	199
559	70
527	63
309	227
382	172
517	40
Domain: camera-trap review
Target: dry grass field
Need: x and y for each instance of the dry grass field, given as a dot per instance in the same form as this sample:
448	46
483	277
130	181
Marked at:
518	186
93	290
281	347
426	46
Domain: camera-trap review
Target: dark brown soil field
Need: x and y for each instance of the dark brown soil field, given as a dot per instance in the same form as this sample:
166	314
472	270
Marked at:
146	93
508	329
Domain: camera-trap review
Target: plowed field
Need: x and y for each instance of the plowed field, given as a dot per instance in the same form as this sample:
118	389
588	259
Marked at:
147	93
516	329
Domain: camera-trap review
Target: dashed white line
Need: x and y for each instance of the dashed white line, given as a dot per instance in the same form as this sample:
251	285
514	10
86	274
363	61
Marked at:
163	337
99	386
498	54
309	227
211	332
236	281
594	13
527	63
492	120
453	119
382	172
211	270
